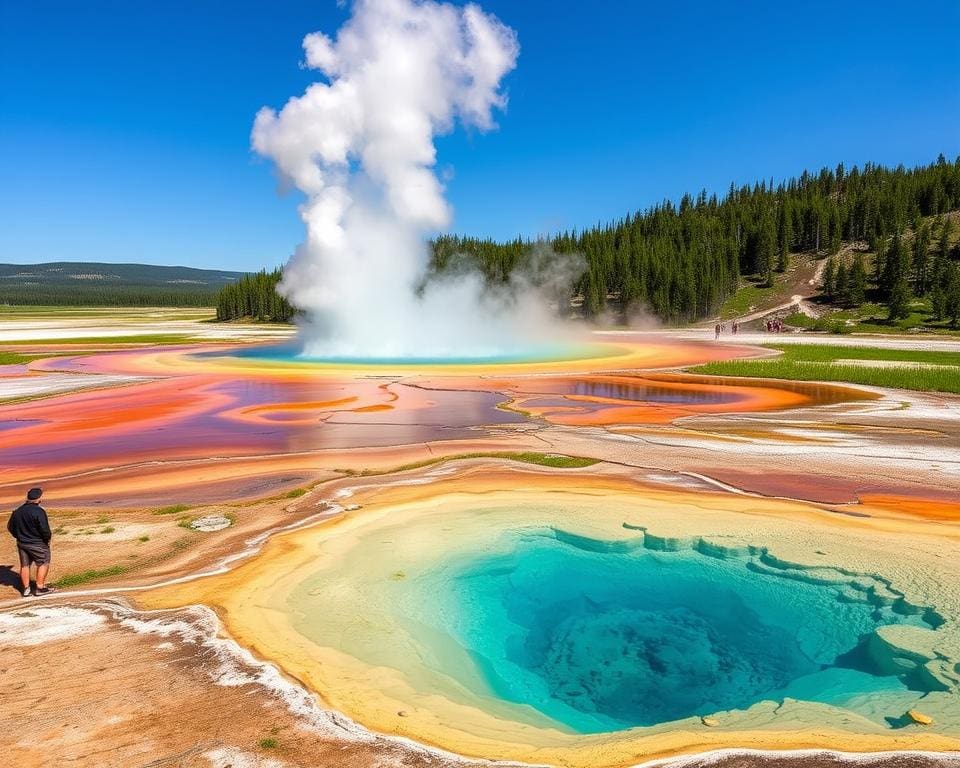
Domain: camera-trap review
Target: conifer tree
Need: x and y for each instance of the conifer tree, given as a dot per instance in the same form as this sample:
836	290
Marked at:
921	248
952	298
842	288
857	282
829	283
898	305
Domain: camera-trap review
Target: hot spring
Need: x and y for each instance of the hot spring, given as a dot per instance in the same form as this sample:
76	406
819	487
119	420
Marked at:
542	353
597	636
525	616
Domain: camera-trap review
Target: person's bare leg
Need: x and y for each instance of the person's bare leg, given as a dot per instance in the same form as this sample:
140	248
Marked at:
42	575
25	576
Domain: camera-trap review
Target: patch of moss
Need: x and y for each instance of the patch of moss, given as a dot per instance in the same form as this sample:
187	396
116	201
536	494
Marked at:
75	579
173	509
553	460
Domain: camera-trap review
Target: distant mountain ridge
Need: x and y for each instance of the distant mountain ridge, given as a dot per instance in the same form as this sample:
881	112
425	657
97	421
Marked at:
90	283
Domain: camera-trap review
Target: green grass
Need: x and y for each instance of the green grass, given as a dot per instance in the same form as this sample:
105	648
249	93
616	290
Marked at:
268	743
108	529
14	358
102	519
75	579
750	295
173	509
146	338
296	493
817	362
553	460
143	539
873	318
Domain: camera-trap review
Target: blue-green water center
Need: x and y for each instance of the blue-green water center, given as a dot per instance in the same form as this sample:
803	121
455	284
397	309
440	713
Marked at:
602	636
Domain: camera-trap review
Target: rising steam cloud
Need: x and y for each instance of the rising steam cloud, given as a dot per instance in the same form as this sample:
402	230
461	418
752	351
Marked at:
359	145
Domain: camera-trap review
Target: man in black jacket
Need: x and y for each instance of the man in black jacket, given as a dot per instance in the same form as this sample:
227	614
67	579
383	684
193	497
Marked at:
29	526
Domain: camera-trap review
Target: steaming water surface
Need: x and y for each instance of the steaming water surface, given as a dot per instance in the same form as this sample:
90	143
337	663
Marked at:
543	353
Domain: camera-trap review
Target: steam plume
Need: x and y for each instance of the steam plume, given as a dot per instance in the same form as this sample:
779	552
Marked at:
359	145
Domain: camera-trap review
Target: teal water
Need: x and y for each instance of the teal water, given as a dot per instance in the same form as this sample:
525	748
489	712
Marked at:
602	636
293	353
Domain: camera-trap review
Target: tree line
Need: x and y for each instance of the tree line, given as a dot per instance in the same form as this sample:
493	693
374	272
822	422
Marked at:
104	296
681	261
254	296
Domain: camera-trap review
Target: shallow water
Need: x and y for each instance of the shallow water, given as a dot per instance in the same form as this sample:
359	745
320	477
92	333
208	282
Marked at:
602	636
293	353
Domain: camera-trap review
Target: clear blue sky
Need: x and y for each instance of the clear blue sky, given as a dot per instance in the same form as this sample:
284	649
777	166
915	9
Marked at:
124	124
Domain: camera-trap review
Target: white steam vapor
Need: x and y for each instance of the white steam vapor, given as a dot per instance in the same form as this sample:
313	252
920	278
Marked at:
360	147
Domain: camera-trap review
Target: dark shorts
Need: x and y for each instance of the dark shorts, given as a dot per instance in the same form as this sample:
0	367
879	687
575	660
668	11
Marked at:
33	553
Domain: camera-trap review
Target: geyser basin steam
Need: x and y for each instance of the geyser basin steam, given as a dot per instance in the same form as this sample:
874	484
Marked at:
360	147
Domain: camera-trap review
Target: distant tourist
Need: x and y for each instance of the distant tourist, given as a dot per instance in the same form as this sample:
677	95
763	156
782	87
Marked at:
29	526
716	331
735	327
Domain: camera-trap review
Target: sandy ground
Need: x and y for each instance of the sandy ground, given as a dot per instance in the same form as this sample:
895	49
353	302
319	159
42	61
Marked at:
159	698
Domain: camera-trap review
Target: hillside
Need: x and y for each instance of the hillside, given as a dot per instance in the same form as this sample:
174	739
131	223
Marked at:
64	283
683	262
806	296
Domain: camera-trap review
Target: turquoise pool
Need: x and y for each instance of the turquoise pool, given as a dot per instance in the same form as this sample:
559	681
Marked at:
602	636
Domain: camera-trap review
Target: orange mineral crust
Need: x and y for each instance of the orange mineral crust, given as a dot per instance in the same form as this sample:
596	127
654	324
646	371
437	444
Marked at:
621	399
208	403
629	352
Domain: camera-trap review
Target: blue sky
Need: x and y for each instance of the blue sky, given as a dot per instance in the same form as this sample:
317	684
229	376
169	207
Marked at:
124	126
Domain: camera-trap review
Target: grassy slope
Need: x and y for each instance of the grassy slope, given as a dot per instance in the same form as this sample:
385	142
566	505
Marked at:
872	317
817	362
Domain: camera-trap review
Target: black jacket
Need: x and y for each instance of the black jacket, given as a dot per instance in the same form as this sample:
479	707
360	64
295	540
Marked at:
29	525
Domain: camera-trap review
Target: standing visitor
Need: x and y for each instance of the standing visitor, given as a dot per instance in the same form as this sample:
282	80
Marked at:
716	332
29	526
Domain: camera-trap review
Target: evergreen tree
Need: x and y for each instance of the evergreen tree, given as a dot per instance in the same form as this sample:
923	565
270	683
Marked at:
784	236
255	297
921	262
896	266
899	302
595	298
829	283
857	282
842	287
952	298
766	250
938	299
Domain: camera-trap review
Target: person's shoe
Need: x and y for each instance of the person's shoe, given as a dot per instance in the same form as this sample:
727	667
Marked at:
43	591
27	592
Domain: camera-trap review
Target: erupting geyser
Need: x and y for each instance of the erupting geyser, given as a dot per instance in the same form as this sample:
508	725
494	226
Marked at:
360	147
